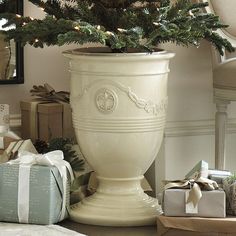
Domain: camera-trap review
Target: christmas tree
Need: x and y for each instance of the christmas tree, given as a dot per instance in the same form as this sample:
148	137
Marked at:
118	24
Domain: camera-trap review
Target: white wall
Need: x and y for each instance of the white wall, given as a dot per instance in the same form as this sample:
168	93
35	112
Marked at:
40	66
189	135
190	120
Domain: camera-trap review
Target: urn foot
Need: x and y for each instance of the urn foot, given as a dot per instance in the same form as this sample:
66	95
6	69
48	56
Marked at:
117	202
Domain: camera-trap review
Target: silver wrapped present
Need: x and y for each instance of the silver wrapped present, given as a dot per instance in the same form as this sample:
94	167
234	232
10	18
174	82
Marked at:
211	203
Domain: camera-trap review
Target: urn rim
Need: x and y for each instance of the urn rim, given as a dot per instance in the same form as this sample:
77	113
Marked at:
106	52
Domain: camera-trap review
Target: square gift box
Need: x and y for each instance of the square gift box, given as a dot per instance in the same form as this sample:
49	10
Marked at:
195	226
45	194
211	204
46	120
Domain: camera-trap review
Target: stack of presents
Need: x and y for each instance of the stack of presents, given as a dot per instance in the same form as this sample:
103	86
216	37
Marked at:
199	204
35	188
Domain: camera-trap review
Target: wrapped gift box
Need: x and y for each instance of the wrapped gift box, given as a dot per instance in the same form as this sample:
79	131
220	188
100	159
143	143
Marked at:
199	170
195	226
45	120
17	146
13	148
211	204
45	194
5	142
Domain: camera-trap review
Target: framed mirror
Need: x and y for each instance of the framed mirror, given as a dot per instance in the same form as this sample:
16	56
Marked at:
11	53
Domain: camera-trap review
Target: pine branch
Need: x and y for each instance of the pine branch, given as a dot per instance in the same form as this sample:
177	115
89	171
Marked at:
119	24
65	145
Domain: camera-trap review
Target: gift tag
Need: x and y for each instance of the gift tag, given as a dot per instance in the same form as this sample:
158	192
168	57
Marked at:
189	206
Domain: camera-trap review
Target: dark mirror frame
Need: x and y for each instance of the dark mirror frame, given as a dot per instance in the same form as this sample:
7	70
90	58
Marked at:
19	78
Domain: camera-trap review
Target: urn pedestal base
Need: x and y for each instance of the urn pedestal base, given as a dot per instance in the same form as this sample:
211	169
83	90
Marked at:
117	202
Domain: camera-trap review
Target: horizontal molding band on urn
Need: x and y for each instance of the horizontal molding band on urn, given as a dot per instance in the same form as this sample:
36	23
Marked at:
196	127
173	128
103	74
120	125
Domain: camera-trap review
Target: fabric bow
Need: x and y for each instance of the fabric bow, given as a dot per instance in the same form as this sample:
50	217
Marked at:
48	93
195	186
26	160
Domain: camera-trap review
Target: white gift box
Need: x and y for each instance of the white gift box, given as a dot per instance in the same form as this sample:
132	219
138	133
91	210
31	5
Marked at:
211	204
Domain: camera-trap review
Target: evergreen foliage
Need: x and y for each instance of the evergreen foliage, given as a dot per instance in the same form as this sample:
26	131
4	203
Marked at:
118	24
66	146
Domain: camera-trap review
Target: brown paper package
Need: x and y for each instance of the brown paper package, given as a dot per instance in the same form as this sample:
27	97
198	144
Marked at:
195	226
212	203
46	121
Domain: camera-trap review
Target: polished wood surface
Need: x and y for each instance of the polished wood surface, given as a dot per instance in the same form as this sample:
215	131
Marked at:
92	230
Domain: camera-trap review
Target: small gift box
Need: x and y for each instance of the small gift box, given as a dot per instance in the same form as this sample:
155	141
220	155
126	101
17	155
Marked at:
14	147
199	170
195	226
211	204
218	175
6	136
18	146
199	197
46	120
5	142
48	116
35	188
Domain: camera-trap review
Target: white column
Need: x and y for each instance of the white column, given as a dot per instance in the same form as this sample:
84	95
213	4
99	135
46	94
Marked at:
220	133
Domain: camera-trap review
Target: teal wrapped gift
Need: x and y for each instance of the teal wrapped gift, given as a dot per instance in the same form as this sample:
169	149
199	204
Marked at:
35	188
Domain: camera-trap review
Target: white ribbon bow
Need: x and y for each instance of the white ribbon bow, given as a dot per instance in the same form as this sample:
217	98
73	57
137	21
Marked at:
26	160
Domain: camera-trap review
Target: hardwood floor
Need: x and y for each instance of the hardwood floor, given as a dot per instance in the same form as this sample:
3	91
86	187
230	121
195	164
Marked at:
92	230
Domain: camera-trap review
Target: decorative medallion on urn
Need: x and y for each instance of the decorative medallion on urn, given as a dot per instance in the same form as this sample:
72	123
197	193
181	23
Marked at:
106	100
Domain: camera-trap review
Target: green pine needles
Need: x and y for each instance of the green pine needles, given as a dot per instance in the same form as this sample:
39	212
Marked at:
118	24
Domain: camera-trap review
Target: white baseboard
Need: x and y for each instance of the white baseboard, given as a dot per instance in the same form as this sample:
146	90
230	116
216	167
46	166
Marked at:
195	127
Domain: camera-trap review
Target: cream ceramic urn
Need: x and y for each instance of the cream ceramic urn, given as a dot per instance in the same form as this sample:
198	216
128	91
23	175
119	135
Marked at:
119	103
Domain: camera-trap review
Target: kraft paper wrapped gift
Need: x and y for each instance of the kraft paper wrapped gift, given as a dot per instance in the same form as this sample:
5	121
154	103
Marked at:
32	193
211	204
195	226
46	120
